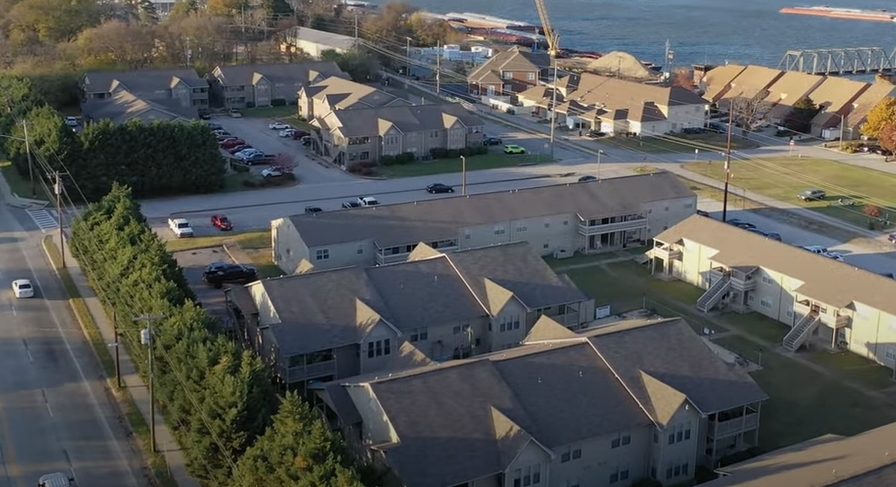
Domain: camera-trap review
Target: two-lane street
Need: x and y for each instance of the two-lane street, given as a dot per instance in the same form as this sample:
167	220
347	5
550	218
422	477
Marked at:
54	412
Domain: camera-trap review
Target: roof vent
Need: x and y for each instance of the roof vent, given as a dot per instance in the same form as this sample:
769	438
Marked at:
581	373
435	278
539	380
415	202
390	374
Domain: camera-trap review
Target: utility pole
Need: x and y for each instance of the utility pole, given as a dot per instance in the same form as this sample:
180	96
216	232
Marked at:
58	190
727	163
117	344
553	108
599	153
147	338
407	55
438	68
30	163
463	175
356	25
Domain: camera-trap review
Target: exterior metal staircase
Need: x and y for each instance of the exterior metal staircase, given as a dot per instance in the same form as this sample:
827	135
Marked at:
800	333
714	294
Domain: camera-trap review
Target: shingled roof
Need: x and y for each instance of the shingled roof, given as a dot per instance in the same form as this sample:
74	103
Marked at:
829	281
468	419
404	117
432	220
514	59
141	81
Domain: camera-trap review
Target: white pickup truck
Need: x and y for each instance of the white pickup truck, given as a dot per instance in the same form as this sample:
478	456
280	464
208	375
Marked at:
367	201
181	227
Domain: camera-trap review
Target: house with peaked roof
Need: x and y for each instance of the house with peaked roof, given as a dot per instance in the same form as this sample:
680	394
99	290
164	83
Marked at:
260	85
585	217
512	71
314	42
786	91
835	97
717	81
609	406
614	105
150	94
348	137
820	301
337	93
863	460
750	82
338	323
854	113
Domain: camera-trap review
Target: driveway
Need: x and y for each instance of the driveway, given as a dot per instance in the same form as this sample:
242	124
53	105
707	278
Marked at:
194	263
255	131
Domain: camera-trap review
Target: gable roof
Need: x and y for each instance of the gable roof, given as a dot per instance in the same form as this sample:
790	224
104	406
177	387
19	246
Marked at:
834	97
863	460
788	89
333	308
444	415
123	106
869	99
406	119
468	419
343	94
826	280
141	81
750	81
614	93
717	81
445	218
514	59
320	37
293	74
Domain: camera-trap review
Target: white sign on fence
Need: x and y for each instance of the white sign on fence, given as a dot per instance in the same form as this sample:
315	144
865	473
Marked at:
601	312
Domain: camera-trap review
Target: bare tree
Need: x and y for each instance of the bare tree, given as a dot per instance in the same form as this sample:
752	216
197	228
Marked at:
748	111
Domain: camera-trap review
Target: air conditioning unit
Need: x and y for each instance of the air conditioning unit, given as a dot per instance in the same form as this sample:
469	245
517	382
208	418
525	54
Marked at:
563	254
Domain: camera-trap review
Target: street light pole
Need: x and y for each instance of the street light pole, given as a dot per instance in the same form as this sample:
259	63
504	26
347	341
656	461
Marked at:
148	339
553	109
58	190
407	61
727	164
30	164
438	68
463	175
599	153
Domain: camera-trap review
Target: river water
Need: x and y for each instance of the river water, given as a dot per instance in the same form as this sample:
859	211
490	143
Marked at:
700	31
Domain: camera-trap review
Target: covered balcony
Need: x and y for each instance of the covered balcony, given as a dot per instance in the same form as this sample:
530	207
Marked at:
832	318
742	278
733	421
400	253
665	252
600	226
311	366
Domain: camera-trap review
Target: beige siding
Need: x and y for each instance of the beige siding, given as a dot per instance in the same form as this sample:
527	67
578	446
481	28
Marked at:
664	214
665	455
533	458
685	115
544	234
873	335
444	338
267	315
773	295
512	313
377	338
600	460
287	246
341	255
376	427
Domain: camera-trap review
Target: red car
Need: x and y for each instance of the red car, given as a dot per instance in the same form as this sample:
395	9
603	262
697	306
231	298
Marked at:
222	222
231	143
234	150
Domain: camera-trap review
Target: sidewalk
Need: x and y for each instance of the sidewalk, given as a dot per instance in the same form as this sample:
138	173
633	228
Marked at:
133	383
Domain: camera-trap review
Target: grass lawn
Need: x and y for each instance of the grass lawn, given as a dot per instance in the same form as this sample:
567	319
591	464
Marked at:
681	143
582	259
804	404
256	239
19	185
784	178
735	201
762	327
474	163
854	368
287	114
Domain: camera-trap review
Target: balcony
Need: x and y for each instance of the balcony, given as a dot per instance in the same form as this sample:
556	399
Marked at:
837	320
600	229
740	280
731	427
311	371
666	252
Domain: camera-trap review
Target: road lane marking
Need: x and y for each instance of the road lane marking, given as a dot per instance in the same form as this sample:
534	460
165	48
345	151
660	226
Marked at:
9	453
43	392
28	350
13	307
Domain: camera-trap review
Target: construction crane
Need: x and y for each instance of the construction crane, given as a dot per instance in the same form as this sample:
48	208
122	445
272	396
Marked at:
549	34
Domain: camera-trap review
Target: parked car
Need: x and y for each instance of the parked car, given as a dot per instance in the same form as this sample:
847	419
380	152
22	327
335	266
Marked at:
231	143
245	152
313	209
812	195
351	204
439	188
181	227
255	158
204	115
703	213
222	222
514	149
219	273
287	132
834	255
740	224
306	140
278	125
872	148
72	121
587	178
22	288
299	134
367	201
235	113
222	137
220	131
272	172
816	249
892	238
213	126
492	141
238	149
769	235
595	134
55	480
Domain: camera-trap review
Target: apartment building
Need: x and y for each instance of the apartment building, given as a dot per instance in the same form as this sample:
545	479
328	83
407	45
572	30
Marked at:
611	406
343	322
337	93
314	42
261	85
358	135
863	460
618	106
584	217
148	94
827	303
512	71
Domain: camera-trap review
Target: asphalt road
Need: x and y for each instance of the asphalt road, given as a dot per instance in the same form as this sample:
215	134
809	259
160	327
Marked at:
54	413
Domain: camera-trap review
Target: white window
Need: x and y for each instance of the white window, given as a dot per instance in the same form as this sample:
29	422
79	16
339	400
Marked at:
379	348
467	235
499	230
322	254
766	303
508	75
419	335
891	353
536	474
766	280
530	76
752	298
520	228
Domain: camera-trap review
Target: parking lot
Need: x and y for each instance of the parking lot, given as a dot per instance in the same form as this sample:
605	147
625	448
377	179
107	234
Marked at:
256	133
194	263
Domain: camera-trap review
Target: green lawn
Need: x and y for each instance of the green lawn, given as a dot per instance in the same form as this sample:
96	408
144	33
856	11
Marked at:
257	239
681	143
582	259
762	327
804	404
853	368
784	178
474	163
288	111
19	185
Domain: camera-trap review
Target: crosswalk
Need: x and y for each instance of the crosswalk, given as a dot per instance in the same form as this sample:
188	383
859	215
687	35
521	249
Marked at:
46	220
